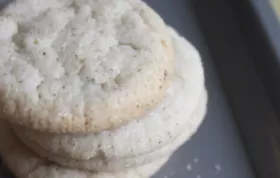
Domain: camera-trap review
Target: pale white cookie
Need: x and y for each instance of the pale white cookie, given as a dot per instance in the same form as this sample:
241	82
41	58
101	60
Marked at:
71	66
25	164
100	163
147	133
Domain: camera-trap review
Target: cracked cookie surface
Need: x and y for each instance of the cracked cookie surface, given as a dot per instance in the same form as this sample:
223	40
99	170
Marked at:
70	66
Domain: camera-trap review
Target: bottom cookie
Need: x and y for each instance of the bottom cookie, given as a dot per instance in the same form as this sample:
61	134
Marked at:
25	164
119	164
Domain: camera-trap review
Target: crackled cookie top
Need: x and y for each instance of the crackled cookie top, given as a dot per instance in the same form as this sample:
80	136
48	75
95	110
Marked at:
81	65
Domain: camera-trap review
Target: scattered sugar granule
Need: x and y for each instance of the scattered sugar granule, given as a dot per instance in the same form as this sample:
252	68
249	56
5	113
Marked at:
218	168
189	167
195	160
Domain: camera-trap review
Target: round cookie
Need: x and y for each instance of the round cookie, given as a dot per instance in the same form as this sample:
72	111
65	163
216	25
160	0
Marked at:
25	164
99	163
161	125
72	66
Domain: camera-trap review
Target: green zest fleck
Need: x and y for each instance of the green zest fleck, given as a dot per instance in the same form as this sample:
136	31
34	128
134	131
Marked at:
118	79
82	60
36	42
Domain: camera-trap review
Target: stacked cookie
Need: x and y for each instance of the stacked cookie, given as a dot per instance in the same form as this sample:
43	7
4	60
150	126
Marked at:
94	89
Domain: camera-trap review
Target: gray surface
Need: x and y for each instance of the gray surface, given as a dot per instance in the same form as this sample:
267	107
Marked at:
217	141
270	22
216	150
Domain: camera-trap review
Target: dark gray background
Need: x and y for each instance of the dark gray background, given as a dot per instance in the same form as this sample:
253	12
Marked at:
217	141
216	150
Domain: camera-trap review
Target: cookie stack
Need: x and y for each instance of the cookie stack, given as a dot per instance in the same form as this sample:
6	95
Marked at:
94	89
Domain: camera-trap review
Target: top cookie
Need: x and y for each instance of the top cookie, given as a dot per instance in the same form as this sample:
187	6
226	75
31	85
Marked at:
81	65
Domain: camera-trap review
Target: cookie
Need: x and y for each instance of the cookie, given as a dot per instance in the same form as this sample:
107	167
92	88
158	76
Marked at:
25	164
72	66
161	125
103	164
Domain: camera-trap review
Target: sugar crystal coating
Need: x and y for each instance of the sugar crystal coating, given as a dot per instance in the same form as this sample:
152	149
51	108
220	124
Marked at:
81	65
